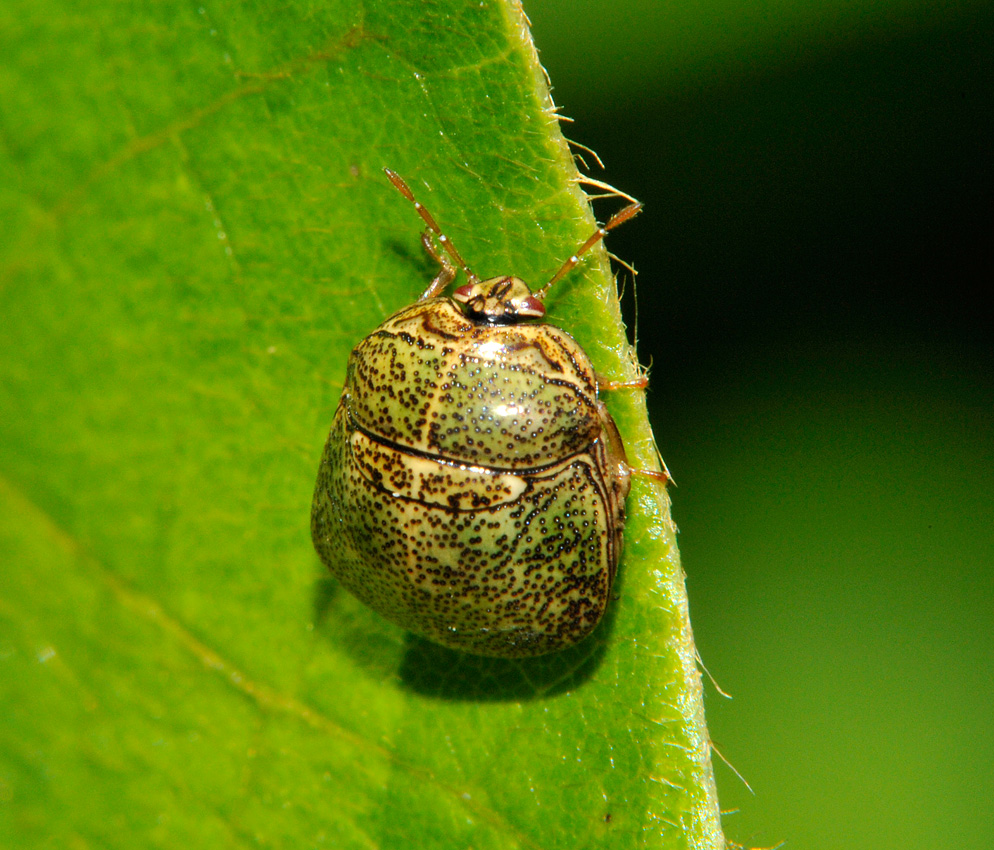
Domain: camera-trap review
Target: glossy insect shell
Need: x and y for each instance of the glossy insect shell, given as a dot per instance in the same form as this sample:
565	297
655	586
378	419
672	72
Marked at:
472	488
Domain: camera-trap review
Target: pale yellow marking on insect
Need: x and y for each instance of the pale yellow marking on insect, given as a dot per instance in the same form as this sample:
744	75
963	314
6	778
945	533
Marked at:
431	481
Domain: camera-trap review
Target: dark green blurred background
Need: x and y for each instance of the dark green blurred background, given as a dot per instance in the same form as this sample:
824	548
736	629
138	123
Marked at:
815	268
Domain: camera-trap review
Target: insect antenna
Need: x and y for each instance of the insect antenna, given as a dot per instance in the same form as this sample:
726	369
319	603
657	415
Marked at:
426	216
618	218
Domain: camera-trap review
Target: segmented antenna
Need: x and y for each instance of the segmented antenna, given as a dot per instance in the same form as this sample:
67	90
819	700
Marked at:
426	216
618	218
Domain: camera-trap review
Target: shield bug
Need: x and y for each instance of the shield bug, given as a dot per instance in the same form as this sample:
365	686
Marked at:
472	488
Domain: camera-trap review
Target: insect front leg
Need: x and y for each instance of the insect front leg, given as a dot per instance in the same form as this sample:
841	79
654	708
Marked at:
446	271
640	383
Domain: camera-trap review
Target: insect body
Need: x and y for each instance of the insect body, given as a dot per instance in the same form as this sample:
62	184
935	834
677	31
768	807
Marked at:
472	488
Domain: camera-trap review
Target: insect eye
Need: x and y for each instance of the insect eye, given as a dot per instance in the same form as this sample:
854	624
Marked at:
531	306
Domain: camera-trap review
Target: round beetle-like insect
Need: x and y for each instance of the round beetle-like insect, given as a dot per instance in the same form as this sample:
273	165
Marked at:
472	488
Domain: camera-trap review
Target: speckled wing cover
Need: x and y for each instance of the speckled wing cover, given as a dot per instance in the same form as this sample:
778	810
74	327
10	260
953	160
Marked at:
472	487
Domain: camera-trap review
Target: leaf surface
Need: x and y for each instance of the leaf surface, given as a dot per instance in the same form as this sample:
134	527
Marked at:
196	233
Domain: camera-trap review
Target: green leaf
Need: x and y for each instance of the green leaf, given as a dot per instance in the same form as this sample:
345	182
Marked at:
196	231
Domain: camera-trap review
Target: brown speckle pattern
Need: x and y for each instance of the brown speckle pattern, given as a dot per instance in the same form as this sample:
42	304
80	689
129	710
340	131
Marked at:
472	487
